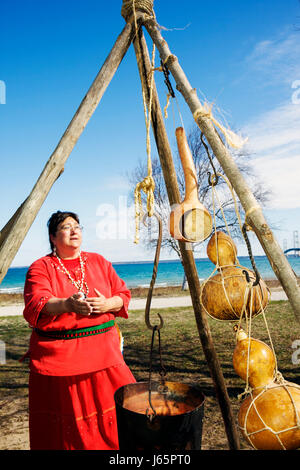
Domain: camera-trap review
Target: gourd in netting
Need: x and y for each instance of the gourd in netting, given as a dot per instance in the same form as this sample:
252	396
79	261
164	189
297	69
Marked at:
269	419
269	416
221	249
227	295
253	360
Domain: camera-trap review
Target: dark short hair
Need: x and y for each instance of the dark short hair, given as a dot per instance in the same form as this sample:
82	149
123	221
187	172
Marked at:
54	221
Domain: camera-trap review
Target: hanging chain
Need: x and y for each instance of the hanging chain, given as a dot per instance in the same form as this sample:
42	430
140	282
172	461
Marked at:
155	328
154	274
167	80
162	372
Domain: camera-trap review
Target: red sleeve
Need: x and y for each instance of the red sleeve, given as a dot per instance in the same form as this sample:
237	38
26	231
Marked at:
119	288
37	291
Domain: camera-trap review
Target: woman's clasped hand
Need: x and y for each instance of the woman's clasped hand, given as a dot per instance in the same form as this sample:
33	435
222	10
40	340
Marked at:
82	305
101	304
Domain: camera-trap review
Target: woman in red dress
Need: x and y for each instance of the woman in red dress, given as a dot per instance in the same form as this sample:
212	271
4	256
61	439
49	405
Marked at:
76	364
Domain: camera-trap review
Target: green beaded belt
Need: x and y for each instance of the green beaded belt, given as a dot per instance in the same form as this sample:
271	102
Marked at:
77	333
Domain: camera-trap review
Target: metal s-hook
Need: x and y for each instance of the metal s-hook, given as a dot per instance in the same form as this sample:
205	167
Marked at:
257	275
158	327
155	328
154	274
211	181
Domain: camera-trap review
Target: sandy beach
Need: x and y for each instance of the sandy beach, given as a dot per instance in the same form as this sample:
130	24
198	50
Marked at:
12	304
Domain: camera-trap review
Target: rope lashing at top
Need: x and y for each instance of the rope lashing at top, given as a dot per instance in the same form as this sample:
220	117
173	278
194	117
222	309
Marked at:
130	7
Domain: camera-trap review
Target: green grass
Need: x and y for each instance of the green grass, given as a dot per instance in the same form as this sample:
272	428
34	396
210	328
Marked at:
182	352
182	357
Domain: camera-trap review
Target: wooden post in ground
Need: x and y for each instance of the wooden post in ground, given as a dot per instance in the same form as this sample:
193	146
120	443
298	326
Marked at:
255	217
166	159
14	232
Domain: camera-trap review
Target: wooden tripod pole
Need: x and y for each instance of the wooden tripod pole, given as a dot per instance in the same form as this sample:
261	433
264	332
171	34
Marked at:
14	232
255	217
166	159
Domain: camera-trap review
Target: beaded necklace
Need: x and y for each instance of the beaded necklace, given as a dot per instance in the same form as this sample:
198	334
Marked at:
77	284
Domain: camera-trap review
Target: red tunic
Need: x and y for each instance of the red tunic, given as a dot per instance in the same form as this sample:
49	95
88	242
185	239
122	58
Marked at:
82	362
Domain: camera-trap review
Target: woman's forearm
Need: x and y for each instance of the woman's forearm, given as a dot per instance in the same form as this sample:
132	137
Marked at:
114	304
56	306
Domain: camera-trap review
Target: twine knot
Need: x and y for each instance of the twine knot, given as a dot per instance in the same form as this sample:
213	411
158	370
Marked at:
231	137
278	378
248	391
130	7
148	186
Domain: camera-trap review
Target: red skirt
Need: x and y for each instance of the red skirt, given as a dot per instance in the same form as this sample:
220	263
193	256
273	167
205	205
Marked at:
75	412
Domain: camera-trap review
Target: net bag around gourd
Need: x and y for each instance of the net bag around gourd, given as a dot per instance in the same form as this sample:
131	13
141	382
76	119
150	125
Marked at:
269	415
269	420
225	295
230	291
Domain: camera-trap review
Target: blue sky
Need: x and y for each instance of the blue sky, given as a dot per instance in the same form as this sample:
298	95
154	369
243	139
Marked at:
244	56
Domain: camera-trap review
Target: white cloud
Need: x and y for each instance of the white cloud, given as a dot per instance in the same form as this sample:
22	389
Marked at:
278	59
282	177
274	142
276	129
274	136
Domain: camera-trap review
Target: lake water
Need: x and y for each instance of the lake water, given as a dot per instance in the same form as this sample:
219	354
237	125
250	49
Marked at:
170	273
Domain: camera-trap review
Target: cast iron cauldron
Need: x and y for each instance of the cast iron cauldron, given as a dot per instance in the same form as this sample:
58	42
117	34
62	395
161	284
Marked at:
178	422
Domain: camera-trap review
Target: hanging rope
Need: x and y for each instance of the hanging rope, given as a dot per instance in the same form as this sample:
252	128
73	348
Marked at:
148	184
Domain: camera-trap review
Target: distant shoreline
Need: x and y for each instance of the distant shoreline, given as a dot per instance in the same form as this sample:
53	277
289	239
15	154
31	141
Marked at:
138	274
136	292
175	260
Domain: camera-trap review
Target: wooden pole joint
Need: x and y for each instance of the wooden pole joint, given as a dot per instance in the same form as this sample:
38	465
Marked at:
171	59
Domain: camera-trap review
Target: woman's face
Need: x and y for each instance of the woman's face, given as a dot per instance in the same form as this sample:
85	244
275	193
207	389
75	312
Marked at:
68	236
